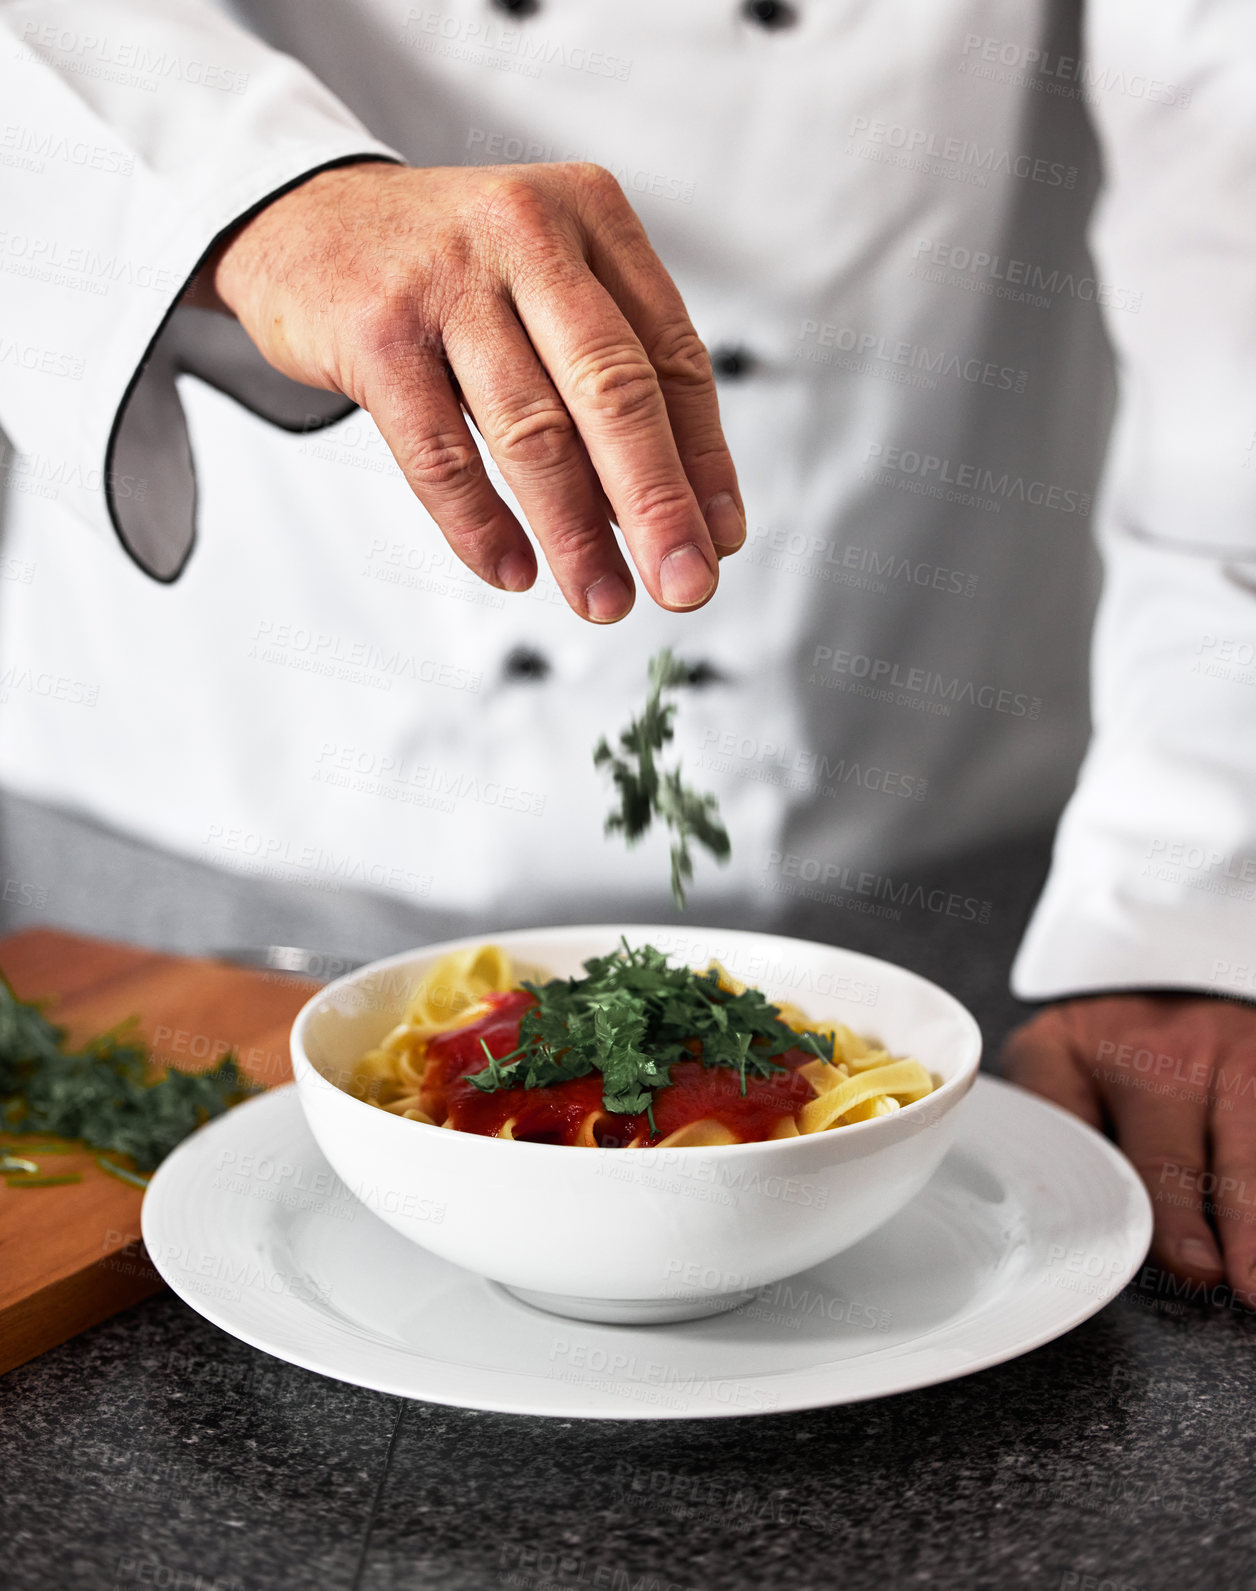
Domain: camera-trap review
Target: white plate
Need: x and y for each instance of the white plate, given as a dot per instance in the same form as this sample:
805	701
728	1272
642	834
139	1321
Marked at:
1032	1224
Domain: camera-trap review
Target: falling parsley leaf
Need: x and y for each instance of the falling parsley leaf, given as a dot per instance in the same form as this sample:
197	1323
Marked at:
631	1018
100	1094
647	792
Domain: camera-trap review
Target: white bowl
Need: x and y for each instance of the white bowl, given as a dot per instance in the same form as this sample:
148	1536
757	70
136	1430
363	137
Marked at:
640	1235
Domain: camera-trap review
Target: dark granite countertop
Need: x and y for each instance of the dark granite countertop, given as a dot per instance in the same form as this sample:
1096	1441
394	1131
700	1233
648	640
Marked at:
156	1451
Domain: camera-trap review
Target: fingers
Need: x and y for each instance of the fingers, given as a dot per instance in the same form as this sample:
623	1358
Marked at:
1166	1138
1039	1056
611	391
534	441
418	414
623	261
591	427
1177	1075
1233	1186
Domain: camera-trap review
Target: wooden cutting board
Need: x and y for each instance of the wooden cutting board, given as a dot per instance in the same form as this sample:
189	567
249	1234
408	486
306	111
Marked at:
71	1256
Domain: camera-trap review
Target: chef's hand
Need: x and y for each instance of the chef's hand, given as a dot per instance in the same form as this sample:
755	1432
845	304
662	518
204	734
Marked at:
531	296
1176	1077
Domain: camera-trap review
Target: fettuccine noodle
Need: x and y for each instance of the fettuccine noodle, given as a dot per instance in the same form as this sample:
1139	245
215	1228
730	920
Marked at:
863	1080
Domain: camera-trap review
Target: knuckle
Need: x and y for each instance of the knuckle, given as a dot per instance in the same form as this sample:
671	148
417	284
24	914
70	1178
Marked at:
572	543
510	203
537	438
595	180
665	503
440	462
707	453
680	356
385	323
620	383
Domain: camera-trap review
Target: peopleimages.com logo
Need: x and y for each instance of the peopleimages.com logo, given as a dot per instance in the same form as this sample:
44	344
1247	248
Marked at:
834	879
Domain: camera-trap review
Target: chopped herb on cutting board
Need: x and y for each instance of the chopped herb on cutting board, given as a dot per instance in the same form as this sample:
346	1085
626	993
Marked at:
99	1094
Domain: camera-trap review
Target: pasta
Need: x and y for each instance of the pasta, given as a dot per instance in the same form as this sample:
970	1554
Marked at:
457	1060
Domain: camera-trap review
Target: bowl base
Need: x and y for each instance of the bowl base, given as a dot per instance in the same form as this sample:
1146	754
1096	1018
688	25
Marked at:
631	1311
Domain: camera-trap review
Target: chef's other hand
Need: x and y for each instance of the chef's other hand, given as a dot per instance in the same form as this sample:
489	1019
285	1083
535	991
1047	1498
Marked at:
1175	1075
530	296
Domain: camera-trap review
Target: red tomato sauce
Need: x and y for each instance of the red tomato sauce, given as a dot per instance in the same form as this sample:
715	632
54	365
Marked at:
554	1114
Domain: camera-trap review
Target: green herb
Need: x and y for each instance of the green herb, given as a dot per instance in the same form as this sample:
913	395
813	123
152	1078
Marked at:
43	1182
121	1172
631	1018
100	1094
647	792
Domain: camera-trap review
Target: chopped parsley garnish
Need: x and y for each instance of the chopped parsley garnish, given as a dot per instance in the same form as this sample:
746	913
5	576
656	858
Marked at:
631	1018
99	1094
647	791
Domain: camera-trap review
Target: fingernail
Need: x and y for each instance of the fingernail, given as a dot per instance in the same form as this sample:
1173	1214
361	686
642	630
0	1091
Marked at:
1200	1256
607	599
724	521
515	572
686	577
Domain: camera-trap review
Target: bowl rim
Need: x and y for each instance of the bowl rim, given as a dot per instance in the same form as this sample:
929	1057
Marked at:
950	1090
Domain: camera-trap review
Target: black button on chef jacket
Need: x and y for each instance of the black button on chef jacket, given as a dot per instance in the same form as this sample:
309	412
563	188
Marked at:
769	13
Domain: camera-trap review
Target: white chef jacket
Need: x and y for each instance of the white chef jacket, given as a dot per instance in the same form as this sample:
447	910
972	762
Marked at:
876	214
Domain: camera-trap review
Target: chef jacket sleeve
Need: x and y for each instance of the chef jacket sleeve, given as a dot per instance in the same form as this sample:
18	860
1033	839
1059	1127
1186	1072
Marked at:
1153	880
133	134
